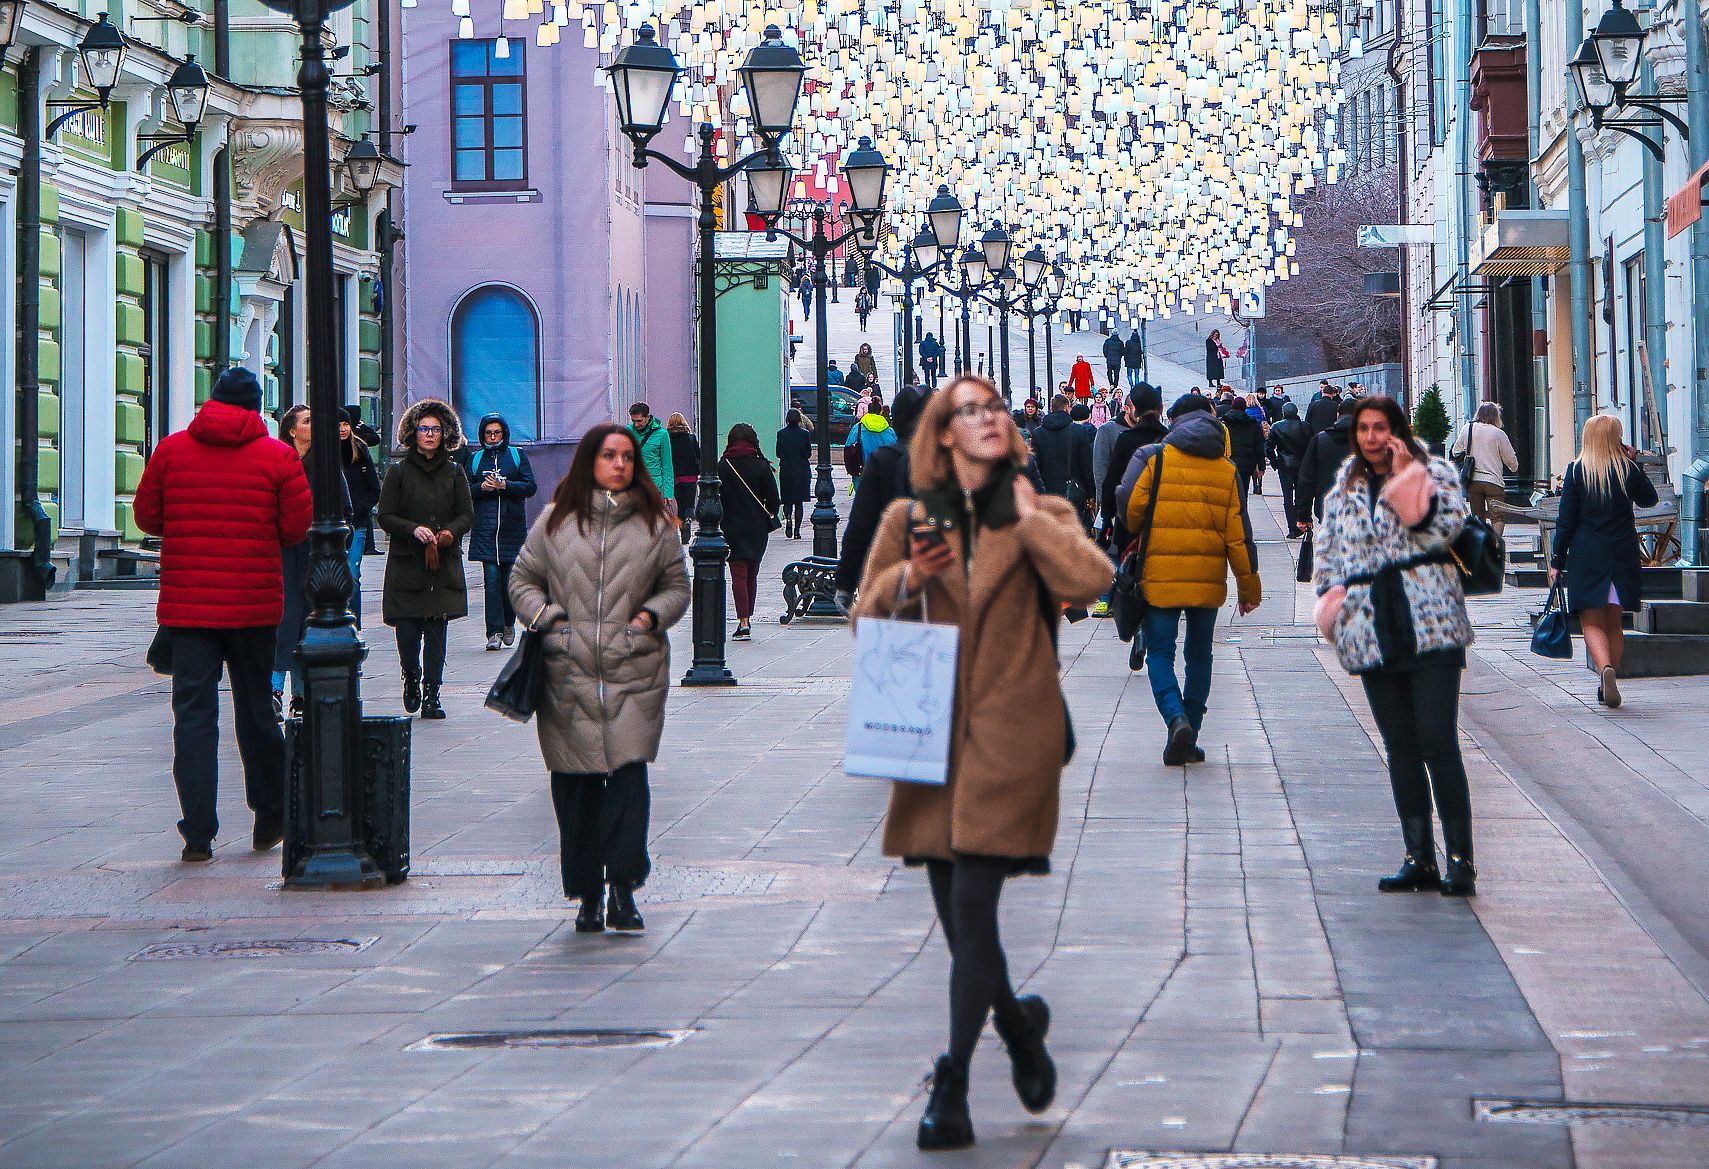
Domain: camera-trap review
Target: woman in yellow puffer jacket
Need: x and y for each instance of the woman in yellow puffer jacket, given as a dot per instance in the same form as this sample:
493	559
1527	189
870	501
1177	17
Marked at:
1197	534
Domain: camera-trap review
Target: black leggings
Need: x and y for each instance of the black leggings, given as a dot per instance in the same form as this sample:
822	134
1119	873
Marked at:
965	892
792	514
1418	713
412	633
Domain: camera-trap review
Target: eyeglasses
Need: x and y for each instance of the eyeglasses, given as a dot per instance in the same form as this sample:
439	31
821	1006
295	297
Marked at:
972	410
493	432
426	428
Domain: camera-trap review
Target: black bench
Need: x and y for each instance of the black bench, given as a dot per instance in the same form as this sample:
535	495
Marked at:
810	590
126	560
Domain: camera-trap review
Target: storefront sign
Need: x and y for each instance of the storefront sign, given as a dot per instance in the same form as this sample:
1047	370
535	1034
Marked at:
292	200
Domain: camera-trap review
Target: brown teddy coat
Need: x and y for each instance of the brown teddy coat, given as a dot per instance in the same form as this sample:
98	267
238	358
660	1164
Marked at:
1010	725
604	701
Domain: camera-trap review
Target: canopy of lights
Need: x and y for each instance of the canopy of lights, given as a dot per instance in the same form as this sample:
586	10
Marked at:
1151	147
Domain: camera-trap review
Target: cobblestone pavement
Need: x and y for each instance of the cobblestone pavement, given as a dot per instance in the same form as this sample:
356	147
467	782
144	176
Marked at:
1224	977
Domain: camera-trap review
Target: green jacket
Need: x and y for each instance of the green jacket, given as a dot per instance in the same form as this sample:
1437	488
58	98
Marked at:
655	443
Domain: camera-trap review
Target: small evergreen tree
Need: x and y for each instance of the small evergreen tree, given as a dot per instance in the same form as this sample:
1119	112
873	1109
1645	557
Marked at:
1430	419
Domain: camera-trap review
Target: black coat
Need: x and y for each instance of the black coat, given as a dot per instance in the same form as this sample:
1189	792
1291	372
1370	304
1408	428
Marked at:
1596	540
747	524
294	571
432	493
1213	361
501	522
1288	441
1324	455
884	481
1320	415
1134	351
1113	350
685	457
794	464
363	484
1245	437
1064	454
1148	432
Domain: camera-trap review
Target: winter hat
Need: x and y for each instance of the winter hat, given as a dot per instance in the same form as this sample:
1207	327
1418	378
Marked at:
905	411
1031	402
1289	410
1079	412
1187	404
1146	398
237	387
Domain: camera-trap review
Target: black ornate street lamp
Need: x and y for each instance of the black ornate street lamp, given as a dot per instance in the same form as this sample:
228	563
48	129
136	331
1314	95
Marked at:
920	260
187	90
642	78
325	845
1033	268
866	172
972	265
11	16
1605	68
102	52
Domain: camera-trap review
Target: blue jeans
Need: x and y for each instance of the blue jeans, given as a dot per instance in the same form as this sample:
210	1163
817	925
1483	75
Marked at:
358	543
1135	375
1162	628
500	616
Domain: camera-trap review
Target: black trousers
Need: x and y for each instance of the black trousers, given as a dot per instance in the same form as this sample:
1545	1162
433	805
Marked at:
199	656
413	634
602	828
500	616
1418	713
1289	476
965	892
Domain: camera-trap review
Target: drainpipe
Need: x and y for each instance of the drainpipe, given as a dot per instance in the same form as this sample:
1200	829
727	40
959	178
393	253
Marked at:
387	240
1697	85
29	317
1578	236
222	202
1403	143
1691	509
1655	290
1463	202
1543	466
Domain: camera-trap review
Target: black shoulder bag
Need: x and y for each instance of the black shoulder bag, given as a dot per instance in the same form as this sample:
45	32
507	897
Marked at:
1127	594
516	691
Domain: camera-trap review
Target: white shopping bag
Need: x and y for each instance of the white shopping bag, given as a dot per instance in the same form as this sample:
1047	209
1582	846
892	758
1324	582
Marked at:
903	700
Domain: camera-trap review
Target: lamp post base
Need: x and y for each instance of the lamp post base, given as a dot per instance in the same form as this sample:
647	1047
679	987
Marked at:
708	675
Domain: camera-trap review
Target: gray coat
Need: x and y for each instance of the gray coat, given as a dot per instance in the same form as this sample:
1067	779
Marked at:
604	703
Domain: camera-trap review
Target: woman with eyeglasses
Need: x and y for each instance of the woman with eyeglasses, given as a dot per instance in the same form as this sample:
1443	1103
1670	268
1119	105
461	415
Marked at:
979	548
425	508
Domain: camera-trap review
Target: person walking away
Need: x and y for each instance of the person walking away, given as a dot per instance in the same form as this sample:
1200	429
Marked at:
1484	442
1286	450
1146	428
884	480
1596	545
833	375
1216	358
426	510
871	432
1003	563
1114	353
794	472
500	478
225	498
751	501
931	360
1133	356
1197	536
1390	601
601	578
1080	377
655	447
1064	455
362	482
1255	410
685	463
1324	454
855	382
1245	444
1324	409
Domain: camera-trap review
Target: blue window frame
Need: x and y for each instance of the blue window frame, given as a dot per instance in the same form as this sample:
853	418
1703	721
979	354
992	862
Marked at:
489	116
495	359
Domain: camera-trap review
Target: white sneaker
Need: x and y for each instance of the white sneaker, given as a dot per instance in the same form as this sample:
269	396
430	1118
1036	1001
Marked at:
493	642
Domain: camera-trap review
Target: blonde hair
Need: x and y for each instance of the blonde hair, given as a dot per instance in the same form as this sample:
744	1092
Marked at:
1602	461
677	424
928	462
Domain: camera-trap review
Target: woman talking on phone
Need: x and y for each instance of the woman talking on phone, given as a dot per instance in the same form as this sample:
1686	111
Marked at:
980	549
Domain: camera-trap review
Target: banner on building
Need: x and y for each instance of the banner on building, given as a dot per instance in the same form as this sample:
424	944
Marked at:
1685	207
1394	235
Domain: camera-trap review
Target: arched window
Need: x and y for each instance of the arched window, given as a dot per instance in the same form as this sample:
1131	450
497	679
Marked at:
495	359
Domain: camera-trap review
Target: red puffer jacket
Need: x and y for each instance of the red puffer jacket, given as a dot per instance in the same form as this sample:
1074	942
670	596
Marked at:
224	496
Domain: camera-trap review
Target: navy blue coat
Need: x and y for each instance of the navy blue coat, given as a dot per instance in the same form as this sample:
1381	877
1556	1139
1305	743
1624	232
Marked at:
501	521
1596	539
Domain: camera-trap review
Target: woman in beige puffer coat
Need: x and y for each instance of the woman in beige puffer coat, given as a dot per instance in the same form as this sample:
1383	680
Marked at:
601	578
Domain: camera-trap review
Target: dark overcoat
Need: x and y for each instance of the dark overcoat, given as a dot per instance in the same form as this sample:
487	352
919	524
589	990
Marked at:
742	478
794	464
425	492
1596	540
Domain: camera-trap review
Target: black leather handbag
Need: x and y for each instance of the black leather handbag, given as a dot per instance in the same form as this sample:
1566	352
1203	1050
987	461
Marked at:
1481	556
1127	593
516	691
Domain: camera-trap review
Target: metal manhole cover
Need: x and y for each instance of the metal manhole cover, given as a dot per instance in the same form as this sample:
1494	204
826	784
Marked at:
560	1037
1135	1159
256	948
1561	1112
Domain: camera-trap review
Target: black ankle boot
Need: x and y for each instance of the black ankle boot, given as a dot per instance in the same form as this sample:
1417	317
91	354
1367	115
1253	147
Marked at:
430	707
1023	1033
1461	879
1418	872
946	1124
591	917
412	692
620	913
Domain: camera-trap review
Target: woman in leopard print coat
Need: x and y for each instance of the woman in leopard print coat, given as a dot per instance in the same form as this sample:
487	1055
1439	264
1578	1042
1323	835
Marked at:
1389	599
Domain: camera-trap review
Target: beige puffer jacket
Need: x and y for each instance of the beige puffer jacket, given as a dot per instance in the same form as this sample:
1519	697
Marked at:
604	703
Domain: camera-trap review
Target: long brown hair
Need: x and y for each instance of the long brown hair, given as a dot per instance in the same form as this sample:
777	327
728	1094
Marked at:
1399	425
928	462
574	494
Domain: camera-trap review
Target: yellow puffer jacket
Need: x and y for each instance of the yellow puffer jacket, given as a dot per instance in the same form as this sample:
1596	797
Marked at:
1197	534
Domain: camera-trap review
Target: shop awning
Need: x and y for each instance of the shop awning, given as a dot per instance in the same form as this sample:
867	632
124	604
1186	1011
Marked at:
1685	206
1523	243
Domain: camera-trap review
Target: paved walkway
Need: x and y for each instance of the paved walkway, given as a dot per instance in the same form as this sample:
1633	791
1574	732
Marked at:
1224	977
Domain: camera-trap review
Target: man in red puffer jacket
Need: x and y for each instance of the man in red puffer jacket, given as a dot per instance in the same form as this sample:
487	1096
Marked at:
224	496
